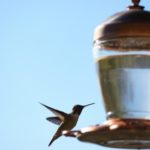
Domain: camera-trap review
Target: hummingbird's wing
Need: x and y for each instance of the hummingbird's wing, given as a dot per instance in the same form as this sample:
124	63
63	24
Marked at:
55	120
62	115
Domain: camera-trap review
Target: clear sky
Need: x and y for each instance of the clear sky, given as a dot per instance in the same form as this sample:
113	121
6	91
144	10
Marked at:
46	56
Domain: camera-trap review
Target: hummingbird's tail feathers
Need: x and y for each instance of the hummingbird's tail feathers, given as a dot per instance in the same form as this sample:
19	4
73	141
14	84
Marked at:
58	113
56	136
55	120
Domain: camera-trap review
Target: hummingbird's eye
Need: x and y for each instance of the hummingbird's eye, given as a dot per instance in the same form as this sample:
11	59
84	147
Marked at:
75	107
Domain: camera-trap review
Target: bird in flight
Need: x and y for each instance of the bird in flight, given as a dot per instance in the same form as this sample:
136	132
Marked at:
64	120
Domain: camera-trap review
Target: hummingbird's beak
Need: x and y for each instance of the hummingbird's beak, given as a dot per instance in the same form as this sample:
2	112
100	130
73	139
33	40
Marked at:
88	104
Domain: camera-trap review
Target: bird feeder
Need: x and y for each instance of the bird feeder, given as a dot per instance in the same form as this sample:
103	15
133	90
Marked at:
122	55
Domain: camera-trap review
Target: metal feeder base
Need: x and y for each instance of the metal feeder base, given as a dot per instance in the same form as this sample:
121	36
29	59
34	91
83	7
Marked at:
117	133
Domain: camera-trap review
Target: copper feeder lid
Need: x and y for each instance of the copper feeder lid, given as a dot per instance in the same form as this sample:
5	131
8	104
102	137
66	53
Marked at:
135	22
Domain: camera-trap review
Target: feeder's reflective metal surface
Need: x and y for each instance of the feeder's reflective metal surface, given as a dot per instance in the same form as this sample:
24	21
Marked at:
119	133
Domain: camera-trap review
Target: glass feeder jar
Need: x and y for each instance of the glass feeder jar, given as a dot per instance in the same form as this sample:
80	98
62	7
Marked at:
122	55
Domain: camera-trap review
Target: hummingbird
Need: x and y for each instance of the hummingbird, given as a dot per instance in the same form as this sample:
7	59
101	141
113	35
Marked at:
64	120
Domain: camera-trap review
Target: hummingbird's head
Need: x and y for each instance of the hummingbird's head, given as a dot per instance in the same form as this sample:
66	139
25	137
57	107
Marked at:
77	109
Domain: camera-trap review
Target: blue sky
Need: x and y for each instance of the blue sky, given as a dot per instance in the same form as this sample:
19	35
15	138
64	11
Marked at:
46	55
